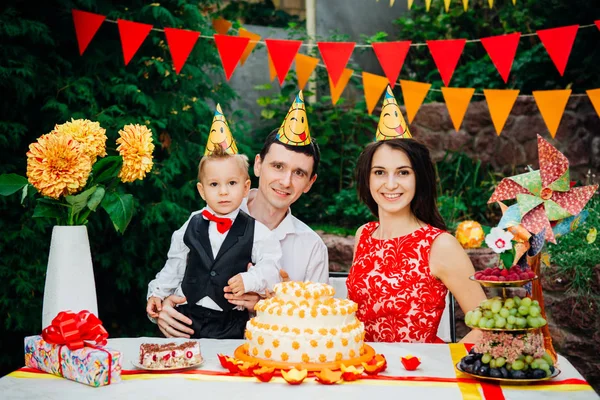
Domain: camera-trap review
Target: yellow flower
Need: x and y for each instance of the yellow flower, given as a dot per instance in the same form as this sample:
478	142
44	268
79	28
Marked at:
57	166
135	146
89	134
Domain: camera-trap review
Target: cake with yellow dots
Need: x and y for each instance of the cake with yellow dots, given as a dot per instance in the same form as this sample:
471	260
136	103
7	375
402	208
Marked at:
303	323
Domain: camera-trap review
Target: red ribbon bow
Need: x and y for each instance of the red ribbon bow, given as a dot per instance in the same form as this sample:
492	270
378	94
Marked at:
71	329
223	224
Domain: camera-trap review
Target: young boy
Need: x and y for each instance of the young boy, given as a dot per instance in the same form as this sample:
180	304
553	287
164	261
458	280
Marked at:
213	248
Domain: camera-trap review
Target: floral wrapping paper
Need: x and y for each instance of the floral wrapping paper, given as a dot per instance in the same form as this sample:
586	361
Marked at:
86	365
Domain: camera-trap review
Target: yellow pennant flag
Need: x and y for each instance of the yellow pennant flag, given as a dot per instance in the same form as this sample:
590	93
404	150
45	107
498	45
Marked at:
427	5
410	3
500	103
336	91
221	25
514	2
373	85
457	101
305	65
594	95
414	93
254	38
447	4
272	70
552	105
491	3
392	2
465	4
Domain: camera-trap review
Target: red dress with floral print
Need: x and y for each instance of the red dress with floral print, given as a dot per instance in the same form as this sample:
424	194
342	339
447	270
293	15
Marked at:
398	298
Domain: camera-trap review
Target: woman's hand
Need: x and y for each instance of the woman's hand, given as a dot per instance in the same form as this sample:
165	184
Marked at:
171	322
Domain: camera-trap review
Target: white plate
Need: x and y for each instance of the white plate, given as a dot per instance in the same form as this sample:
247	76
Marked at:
169	369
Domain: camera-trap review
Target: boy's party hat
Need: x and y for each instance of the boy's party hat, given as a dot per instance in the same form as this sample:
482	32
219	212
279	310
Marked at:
220	135
391	122
294	129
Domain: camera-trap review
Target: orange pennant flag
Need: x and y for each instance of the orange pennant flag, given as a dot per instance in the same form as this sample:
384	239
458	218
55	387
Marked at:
594	95
457	101
254	38
305	65
272	71
414	93
336	91
221	25
373	85
447	5
500	103
552	105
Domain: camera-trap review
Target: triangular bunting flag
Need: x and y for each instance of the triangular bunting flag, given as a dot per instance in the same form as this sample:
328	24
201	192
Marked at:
221	25
558	43
132	35
410	3
414	93
391	56
282	54
491	3
392	3
445	54
181	42
335	55
230	49
86	26
457	101
373	85
272	72
552	105
254	38
465	4
336	90
305	65
447	5
594	96
597	22
427	5
500	103
502	50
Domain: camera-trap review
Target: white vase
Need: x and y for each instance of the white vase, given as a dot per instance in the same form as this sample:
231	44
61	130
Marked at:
70	275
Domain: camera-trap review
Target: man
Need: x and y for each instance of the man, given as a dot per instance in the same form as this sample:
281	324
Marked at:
286	168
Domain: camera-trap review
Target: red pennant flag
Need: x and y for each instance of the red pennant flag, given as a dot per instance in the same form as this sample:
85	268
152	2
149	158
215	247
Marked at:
86	26
230	49
391	56
282	54
445	54
132	35
502	50
597	22
181	42
558	43
335	55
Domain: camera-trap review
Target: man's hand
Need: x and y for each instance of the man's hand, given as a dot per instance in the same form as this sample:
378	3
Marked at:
236	284
154	306
168	319
249	300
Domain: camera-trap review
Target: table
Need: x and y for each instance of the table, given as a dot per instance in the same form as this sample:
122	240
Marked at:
435	379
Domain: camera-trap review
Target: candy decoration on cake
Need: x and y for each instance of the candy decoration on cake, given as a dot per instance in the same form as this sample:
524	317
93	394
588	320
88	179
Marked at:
391	122
220	135
294	129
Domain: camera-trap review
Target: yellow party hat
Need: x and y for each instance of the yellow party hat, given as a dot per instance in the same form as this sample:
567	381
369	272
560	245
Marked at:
391	122
220	135
294	129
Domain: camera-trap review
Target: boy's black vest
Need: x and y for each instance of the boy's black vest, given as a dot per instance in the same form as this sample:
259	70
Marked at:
207	275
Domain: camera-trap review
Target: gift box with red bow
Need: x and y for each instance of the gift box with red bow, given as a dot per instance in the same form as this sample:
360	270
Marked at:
73	347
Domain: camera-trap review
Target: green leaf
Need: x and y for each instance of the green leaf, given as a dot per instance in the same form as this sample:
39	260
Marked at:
47	210
11	183
78	202
119	208
96	198
267	114
106	169
507	258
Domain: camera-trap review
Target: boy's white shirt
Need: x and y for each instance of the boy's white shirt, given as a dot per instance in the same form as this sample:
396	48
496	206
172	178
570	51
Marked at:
266	257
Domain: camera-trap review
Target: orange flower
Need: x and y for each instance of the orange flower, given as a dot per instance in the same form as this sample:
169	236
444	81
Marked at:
89	134
263	374
135	146
376	365
410	363
57	165
247	367
351	373
328	377
294	376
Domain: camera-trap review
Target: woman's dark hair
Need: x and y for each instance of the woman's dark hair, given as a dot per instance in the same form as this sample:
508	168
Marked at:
423	206
311	150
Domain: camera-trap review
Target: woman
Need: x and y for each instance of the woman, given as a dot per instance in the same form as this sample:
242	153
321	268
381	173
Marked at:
405	263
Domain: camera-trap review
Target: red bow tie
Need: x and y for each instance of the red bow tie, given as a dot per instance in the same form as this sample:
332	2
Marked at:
223	224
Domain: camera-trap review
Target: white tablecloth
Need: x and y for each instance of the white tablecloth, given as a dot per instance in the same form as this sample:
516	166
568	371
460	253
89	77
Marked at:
436	362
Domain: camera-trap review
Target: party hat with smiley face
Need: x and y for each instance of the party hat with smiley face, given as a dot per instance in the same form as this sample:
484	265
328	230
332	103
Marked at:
294	129
220	135
391	122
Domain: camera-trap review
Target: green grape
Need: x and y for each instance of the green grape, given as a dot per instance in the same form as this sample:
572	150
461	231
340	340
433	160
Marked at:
511	319
534	311
543	364
532	322
548	358
510	326
500	361
486	304
500	322
496	306
518	365
475	318
523	310
488	314
526	301
534	364
548	373
509	303
528	359
517	301
521	322
513	311
541	321
483	322
504	313
468	316
486	358
535	303
490	323
493	364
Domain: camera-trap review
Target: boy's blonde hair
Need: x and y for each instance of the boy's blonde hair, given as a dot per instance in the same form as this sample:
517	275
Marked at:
220	153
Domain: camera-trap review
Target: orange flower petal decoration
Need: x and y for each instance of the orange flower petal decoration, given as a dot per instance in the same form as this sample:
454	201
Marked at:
375	365
294	376
410	363
264	374
246	368
351	373
328	377
232	364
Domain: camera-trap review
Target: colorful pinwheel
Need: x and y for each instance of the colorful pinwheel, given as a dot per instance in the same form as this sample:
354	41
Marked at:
545	195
